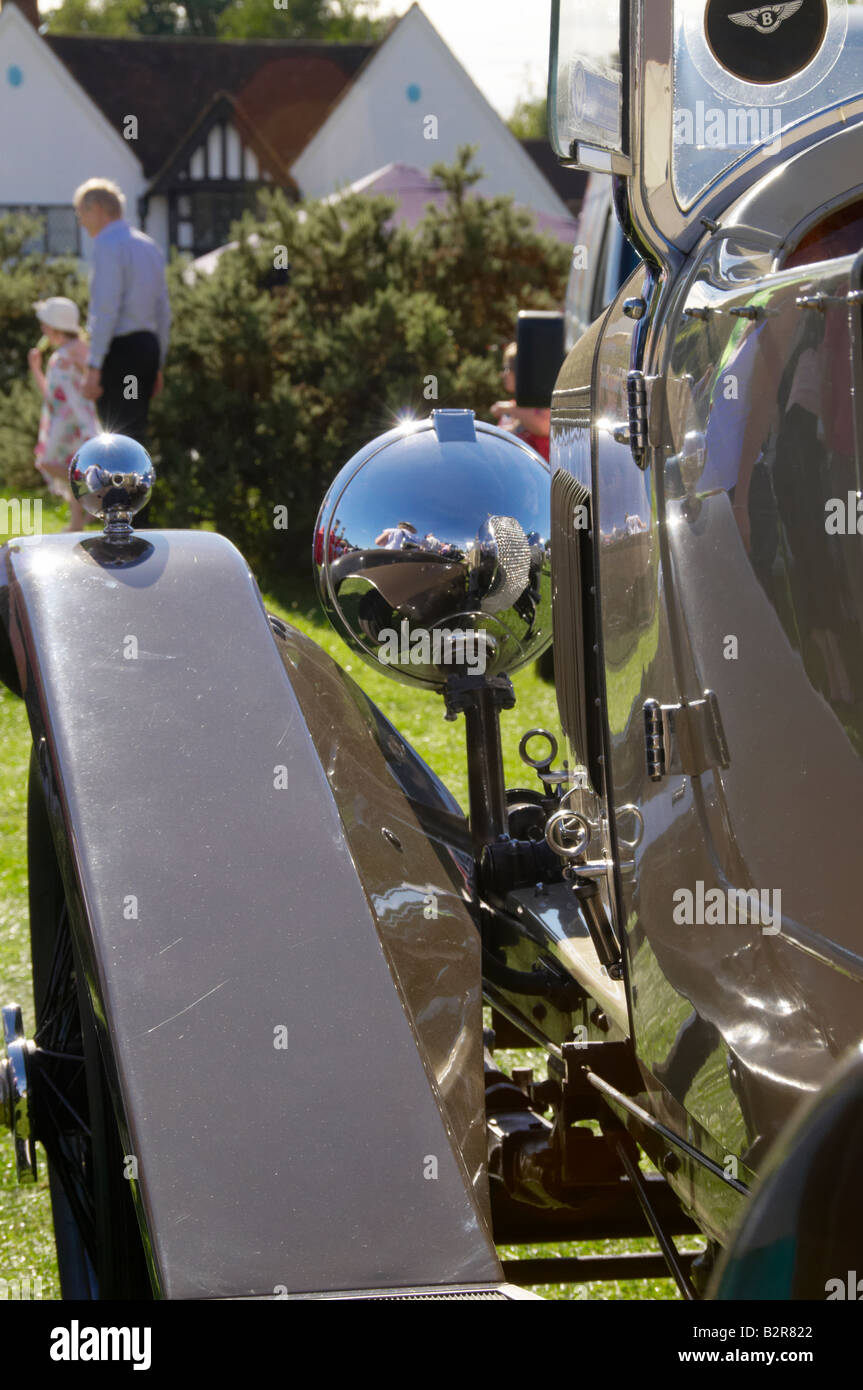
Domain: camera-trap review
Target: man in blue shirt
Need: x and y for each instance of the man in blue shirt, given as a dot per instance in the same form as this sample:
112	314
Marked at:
130	314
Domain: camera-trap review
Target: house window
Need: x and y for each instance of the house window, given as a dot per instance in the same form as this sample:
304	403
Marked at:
203	217
60	235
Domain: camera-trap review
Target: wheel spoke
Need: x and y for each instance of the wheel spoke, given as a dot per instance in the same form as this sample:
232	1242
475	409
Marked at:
98	1242
67	1103
69	1157
60	994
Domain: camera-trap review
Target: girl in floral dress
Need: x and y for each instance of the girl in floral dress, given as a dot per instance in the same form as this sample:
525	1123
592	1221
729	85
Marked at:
67	419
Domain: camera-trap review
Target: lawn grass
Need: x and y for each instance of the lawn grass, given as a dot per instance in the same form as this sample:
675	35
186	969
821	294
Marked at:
26	1231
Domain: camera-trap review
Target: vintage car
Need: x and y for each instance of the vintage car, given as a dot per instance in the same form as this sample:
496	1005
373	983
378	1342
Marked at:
263	930
603	258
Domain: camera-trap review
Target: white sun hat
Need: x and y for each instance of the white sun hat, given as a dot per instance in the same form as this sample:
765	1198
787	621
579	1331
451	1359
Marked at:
59	313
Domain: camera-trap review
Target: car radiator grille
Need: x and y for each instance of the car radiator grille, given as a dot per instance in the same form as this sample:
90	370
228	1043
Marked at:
485	1293
507	1292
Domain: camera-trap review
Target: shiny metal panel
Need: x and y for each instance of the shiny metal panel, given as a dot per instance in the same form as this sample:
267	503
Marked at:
724	537
771	611
663	228
748	453
412	848
223	903
576	421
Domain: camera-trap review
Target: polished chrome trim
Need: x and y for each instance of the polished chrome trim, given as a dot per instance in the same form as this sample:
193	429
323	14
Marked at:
563	823
812	218
600	161
112	476
855	328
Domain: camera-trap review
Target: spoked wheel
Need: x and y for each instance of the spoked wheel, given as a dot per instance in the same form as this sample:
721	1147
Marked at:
99	1248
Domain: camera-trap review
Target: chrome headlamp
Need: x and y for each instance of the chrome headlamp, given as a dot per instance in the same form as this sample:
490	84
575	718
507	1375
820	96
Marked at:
431	551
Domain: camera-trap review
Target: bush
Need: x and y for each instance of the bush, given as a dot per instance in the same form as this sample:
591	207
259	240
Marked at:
270	388
269	391
20	407
25	277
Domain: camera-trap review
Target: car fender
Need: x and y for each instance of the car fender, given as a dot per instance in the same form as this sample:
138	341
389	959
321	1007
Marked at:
270	894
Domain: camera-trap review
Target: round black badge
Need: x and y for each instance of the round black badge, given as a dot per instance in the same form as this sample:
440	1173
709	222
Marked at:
765	43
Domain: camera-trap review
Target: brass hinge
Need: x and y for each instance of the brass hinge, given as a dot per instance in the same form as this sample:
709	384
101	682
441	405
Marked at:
686	738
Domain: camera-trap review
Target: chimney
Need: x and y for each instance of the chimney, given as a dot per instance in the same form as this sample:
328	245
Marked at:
30	10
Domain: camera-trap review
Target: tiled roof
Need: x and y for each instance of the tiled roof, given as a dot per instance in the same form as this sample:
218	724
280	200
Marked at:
285	89
568	184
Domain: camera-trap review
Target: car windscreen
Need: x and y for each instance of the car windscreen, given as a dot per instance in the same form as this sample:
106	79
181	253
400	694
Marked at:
587	76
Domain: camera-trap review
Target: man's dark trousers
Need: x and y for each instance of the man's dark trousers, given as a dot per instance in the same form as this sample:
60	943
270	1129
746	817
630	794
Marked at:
134	355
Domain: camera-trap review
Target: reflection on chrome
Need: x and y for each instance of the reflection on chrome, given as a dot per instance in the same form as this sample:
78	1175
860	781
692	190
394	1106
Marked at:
431	551
112	476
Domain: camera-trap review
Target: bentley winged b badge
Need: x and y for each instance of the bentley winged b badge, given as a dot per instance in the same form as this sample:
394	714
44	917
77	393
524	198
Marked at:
766	18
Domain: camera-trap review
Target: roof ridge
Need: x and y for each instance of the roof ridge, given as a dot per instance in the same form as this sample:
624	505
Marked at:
284	86
200	39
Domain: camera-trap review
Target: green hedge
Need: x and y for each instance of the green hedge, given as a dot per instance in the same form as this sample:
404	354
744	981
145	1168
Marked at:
25	277
270	388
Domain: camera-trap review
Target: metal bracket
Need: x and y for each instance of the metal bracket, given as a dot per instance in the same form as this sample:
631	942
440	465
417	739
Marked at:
821	302
603	161
687	738
669	411
15	1099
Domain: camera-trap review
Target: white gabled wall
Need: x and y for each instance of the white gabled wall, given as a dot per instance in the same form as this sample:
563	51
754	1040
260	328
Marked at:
382	119
156	224
52	136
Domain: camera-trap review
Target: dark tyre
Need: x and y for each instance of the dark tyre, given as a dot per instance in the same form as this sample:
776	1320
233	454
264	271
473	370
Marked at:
99	1250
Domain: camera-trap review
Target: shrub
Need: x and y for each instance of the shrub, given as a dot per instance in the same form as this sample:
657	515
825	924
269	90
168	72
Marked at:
271	390
25	277
271	387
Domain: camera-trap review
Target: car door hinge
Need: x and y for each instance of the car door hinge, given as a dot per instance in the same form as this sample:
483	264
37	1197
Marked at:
669	411
636	399
685	738
635	431
658	411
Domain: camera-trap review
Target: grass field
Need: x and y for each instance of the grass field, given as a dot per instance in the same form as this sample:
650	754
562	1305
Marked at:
26	1232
